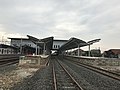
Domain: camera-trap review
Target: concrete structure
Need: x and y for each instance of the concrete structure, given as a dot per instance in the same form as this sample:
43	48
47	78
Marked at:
33	60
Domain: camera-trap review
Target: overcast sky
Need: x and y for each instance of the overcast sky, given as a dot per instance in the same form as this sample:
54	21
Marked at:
63	19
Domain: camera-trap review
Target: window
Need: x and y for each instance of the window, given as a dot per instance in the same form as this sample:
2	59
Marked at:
58	46
54	46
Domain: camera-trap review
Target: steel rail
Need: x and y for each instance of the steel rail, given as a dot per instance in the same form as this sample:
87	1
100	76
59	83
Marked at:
54	78
72	78
101	69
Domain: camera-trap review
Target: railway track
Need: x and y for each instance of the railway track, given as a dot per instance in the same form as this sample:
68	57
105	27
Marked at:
96	78
8	59
63	80
110	74
66	75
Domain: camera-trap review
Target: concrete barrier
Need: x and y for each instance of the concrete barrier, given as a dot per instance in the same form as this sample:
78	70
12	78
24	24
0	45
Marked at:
37	60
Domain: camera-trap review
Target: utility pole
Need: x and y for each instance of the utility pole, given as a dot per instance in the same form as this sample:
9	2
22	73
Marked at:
89	50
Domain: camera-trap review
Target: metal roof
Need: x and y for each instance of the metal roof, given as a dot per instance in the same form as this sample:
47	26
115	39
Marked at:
73	43
33	39
40	42
18	38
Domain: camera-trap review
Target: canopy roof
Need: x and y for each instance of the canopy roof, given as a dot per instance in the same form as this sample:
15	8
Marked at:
33	39
73	43
93	41
40	42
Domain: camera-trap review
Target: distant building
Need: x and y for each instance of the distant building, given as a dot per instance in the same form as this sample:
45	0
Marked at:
112	53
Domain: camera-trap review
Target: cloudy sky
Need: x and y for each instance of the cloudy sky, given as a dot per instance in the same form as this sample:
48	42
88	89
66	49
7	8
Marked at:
63	19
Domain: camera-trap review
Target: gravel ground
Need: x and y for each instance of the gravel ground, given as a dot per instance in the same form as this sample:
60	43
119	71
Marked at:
8	77
12	74
41	80
8	69
110	65
95	79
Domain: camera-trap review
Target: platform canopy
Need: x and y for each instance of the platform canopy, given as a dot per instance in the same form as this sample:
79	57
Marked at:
45	43
40	42
73	43
33	39
93	41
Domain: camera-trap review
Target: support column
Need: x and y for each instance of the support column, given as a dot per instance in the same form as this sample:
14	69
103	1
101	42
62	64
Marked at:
36	48
78	50
89	50
44	49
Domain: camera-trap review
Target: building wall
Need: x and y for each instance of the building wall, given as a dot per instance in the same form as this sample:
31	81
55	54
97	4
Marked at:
58	44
